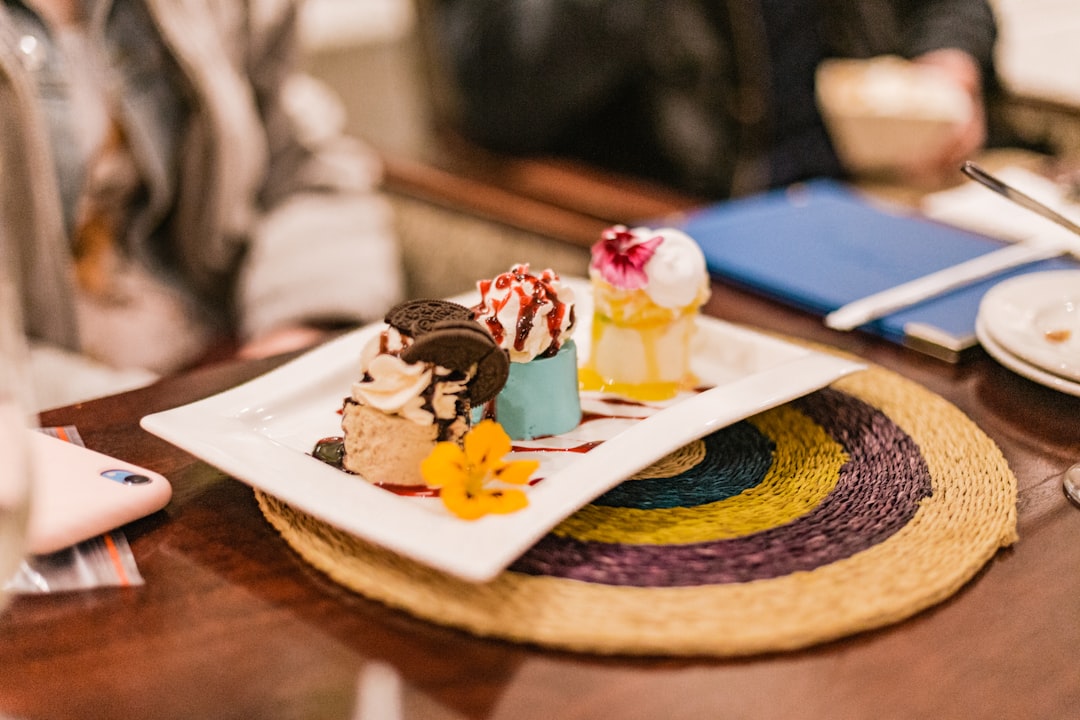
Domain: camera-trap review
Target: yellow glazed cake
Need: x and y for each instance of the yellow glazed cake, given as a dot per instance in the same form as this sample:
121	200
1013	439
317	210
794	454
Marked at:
648	287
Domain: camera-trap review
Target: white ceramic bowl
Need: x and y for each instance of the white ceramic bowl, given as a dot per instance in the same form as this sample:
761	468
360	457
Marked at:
882	112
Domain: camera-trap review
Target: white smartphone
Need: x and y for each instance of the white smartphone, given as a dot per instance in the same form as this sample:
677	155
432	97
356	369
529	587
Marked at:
81	493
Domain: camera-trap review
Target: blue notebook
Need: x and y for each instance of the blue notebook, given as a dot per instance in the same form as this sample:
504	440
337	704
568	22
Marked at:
820	245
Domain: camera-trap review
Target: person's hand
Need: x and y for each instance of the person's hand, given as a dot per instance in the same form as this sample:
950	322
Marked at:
941	167
282	340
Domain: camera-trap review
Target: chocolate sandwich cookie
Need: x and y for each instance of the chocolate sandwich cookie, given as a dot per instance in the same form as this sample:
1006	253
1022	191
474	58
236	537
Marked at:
458	345
417	317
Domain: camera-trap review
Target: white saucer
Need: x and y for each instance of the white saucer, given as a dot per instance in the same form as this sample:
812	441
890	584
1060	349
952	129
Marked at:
1036	318
1019	366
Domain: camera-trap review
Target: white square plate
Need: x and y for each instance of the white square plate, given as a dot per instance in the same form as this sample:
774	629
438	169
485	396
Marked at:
262	433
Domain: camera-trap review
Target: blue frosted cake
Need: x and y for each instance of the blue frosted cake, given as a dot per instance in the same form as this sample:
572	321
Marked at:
532	318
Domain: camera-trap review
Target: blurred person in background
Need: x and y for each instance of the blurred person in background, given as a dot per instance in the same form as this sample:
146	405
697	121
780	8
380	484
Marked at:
715	97
170	186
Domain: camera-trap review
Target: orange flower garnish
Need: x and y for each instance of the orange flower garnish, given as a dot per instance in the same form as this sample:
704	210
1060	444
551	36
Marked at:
470	478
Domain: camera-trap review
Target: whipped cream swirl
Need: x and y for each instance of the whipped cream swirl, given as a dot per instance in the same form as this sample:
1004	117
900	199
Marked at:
422	392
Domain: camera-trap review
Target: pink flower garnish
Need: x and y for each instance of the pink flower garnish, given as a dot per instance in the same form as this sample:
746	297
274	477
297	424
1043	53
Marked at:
620	257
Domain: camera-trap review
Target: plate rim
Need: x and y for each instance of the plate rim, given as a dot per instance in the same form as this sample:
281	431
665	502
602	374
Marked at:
1019	366
995	306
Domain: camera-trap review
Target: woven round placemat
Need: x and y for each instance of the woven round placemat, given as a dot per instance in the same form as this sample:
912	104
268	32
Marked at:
850	509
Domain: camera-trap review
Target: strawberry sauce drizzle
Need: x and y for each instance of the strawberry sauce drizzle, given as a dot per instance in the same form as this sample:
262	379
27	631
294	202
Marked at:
513	284
410	490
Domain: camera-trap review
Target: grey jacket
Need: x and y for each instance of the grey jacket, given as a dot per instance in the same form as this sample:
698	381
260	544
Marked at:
675	88
275	217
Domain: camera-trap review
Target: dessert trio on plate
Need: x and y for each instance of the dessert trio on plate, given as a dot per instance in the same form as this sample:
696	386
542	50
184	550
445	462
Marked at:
441	371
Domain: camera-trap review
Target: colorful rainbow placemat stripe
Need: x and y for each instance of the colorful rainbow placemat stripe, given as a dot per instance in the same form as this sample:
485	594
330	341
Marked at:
849	509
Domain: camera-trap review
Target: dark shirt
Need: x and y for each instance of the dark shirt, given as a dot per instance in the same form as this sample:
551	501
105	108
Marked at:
799	144
715	97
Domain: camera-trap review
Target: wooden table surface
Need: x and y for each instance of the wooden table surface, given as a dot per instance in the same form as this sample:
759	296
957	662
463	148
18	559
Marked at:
232	624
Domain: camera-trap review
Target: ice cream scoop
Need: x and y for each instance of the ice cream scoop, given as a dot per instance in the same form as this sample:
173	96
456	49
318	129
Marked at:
529	315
